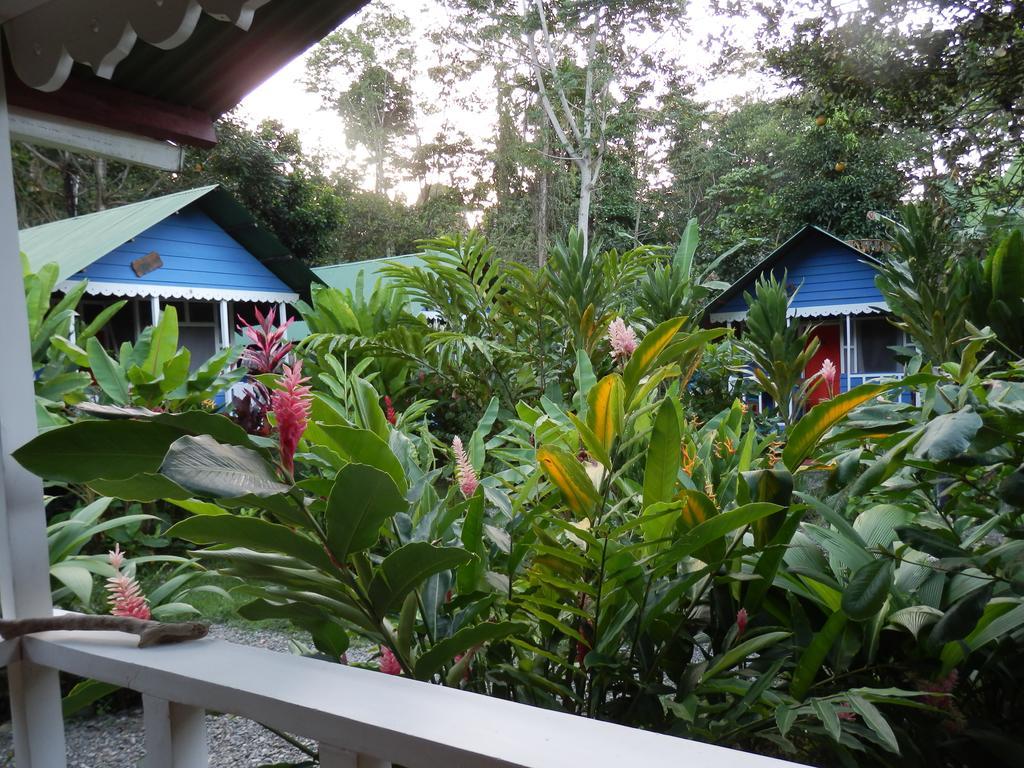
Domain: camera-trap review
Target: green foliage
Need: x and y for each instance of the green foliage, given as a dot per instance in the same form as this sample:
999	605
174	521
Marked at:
778	348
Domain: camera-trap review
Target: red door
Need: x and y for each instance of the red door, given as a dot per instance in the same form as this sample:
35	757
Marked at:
828	349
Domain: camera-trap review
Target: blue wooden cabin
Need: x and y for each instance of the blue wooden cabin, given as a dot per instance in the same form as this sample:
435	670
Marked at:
198	250
832	285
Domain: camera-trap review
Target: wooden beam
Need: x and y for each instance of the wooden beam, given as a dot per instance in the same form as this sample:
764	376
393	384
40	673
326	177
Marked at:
62	133
97	102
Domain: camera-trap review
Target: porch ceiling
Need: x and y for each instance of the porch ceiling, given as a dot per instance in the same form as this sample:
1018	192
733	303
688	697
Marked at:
91	56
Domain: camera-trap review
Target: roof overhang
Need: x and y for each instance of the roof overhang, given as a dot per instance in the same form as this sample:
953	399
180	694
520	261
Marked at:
150	290
828	310
161	70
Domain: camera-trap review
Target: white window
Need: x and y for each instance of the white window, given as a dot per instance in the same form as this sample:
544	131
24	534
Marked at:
876	337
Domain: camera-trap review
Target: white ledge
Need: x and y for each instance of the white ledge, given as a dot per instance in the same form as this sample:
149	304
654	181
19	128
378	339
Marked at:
392	718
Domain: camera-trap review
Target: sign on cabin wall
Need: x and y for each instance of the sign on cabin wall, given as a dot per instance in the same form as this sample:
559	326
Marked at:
146	264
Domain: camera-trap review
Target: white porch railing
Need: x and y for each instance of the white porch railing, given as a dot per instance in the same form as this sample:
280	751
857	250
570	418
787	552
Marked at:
361	719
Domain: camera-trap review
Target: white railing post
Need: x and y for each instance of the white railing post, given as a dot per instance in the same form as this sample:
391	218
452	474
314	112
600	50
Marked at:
175	734
36	717
335	757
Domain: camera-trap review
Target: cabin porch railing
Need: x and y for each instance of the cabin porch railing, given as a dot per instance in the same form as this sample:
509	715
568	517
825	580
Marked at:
360	718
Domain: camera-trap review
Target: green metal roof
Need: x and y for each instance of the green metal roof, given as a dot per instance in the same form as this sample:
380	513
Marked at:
343	276
73	244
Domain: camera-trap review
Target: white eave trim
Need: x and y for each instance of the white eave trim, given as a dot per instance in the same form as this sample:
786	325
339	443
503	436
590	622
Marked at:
826	310
148	290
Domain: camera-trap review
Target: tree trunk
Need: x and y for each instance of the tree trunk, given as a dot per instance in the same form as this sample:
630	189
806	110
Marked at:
100	165
542	207
586	190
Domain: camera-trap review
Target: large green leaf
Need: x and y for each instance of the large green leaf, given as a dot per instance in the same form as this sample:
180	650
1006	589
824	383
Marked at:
252	533
146	487
663	457
406	568
868	590
773	485
204	466
648	351
567	474
76	578
363	447
109	375
960	619
822	417
368	404
949	435
605	410
738	653
876	721
718	526
84	694
362	499
89	450
811	659
164	342
469	575
444	651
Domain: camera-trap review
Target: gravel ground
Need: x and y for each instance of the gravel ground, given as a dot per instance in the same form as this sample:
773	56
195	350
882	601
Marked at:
116	740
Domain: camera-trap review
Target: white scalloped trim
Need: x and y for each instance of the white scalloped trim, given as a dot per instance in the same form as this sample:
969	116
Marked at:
45	42
826	310
178	292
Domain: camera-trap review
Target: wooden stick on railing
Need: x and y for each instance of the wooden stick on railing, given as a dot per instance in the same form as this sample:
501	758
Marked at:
149	632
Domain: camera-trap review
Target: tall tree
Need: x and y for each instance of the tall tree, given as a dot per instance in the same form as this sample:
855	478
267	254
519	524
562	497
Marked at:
578	52
365	75
951	69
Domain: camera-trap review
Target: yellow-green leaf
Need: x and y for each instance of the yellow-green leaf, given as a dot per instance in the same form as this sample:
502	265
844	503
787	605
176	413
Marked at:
567	474
606	403
647	353
822	417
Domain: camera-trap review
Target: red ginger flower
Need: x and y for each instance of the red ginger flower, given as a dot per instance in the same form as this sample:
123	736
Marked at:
622	338
741	622
389	411
126	598
267	347
389	662
291	405
465	475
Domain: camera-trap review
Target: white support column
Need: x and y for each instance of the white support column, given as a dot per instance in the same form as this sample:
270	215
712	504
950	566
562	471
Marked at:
335	757
282	313
175	734
36	716
849	353
225	325
154	309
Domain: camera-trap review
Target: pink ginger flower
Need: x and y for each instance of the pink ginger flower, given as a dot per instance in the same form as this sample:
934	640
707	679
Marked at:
741	622
126	597
622	338
828	373
389	411
267	345
291	405
389	662
465	475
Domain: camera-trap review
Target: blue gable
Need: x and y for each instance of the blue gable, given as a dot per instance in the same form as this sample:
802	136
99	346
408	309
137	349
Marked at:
830	278
196	253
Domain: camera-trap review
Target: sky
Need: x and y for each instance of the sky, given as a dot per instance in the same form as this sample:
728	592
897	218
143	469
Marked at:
284	98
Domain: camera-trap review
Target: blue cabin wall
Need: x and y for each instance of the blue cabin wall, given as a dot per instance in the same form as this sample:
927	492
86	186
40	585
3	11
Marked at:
196	253
827	274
